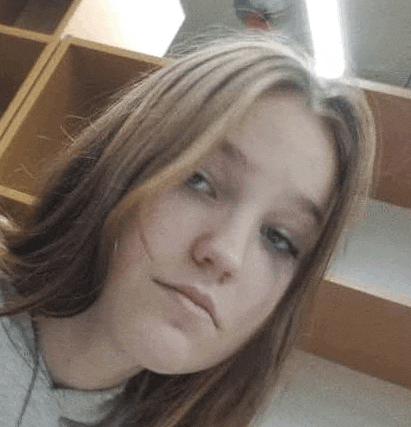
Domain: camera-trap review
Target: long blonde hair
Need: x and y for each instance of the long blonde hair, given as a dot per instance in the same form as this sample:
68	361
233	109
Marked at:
151	137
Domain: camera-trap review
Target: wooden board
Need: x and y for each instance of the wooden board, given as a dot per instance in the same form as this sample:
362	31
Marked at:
362	331
392	111
18	54
22	90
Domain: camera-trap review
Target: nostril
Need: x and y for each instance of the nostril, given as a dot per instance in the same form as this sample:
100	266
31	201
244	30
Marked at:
222	251
202	259
208	260
224	277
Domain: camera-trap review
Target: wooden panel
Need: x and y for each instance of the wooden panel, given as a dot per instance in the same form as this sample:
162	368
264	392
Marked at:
361	331
76	82
17	57
24	89
392	112
44	16
10	208
393	172
10	10
17	196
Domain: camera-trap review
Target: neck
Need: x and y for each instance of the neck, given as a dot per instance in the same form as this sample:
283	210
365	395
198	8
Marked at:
79	355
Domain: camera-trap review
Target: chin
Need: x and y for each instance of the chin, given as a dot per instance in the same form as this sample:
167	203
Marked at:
166	350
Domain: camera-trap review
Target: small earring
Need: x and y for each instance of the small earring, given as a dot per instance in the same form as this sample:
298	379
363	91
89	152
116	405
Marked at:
115	245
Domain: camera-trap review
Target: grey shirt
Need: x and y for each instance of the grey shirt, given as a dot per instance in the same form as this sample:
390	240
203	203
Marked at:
48	406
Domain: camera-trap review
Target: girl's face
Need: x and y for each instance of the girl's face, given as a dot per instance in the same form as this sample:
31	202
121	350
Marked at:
198	270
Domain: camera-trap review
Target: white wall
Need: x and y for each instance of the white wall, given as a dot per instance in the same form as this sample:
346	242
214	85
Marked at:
145	27
314	392
376	256
379	38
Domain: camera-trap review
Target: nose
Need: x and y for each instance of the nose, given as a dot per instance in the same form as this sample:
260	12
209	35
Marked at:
222	248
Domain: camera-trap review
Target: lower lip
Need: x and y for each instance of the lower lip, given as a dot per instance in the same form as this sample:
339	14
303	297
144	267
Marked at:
186	308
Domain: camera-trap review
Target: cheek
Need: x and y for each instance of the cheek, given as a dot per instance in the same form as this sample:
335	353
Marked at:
170	223
261	292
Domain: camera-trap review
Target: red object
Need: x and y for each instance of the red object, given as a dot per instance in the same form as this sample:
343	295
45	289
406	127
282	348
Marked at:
256	20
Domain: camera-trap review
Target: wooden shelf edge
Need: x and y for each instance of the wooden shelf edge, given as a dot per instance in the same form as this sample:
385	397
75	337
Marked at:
370	289
17	196
113	50
25	34
362	331
382	88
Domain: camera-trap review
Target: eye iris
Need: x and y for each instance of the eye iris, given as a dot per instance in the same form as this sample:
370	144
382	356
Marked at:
281	243
276	239
196	179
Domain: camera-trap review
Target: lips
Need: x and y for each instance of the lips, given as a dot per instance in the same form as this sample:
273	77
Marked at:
196	296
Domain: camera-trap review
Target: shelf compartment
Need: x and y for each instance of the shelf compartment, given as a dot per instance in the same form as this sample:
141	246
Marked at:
391	107
19	52
44	16
78	79
24	38
362	314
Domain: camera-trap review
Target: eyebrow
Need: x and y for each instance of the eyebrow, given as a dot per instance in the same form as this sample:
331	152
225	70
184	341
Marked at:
308	205
234	153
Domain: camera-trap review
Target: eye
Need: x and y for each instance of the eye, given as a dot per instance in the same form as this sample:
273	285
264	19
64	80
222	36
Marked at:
198	181
280	242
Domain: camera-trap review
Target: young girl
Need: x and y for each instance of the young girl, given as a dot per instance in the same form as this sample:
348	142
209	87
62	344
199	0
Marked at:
163	273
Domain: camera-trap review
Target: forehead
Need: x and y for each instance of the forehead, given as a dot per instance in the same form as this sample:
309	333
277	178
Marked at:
285	145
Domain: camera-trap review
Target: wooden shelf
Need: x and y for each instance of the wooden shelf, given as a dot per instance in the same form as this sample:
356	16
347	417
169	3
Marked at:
43	16
362	331
29	34
78	79
18	54
392	111
362	313
24	54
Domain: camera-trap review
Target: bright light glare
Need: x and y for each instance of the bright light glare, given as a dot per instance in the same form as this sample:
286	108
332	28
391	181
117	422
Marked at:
150	24
142	26
325	25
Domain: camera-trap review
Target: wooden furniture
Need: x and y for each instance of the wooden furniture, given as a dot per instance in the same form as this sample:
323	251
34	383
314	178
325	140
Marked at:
77	80
366	323
29	33
50	86
42	16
